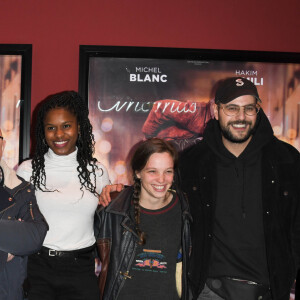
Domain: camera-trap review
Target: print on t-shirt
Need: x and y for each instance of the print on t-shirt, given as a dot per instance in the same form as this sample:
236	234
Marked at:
151	261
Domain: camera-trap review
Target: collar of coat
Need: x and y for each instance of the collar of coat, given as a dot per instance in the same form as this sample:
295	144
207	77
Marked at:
122	203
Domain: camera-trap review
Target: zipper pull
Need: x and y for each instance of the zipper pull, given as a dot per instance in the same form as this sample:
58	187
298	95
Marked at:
126	275
31	211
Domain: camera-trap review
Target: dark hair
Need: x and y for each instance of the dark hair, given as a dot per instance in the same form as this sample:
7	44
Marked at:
72	102
138	162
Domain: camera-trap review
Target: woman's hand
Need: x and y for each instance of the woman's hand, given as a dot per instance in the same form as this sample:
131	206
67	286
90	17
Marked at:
105	197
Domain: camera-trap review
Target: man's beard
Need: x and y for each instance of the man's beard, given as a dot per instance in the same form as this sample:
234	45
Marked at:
225	130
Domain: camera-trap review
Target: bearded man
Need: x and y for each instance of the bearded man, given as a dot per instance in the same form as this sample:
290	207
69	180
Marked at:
243	187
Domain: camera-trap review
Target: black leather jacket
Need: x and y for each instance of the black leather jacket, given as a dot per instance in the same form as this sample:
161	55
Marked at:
117	241
280	173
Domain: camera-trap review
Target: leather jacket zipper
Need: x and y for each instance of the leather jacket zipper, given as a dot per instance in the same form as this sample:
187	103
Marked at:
1	212
126	274
20	189
30	209
7	208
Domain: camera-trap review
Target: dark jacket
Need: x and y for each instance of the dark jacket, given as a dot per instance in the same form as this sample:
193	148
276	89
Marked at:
22	231
117	241
280	173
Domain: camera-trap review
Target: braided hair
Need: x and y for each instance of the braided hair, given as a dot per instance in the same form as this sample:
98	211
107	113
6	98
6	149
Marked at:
138	162
85	143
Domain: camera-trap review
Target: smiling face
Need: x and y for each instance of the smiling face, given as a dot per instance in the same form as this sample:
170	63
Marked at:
156	178
61	131
239	128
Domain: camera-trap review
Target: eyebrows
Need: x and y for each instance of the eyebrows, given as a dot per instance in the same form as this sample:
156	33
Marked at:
250	104
155	168
61	123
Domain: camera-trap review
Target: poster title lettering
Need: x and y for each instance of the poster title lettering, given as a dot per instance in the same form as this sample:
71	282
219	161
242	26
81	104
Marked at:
252	76
148	74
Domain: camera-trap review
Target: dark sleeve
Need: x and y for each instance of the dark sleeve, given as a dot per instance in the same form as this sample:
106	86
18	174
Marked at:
296	237
296	231
26	236
103	247
182	164
297	292
3	259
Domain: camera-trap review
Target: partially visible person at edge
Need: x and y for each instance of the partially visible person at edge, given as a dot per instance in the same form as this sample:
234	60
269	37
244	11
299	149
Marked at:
68	181
22	229
143	236
243	188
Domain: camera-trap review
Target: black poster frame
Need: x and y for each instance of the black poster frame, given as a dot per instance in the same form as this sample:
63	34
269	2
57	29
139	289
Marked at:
88	51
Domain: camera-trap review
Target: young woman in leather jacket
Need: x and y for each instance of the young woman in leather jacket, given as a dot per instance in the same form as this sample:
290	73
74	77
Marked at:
143	235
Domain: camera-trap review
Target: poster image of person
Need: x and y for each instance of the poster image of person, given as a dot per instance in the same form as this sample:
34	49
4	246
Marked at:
10	93
183	123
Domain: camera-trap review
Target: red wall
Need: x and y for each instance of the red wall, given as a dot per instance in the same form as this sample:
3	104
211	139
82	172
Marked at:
56	28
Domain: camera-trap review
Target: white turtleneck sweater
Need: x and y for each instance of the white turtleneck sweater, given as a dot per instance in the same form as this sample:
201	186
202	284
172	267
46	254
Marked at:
68	211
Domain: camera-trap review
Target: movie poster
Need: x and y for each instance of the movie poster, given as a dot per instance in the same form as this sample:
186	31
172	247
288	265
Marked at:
10	93
131	99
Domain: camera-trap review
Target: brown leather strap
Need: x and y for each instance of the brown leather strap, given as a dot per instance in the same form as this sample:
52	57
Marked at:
103	246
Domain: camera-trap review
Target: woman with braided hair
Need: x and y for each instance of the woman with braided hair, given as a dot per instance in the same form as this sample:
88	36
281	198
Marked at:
68	181
143	236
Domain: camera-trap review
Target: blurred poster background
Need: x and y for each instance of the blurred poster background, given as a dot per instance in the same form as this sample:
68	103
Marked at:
134	98
10	92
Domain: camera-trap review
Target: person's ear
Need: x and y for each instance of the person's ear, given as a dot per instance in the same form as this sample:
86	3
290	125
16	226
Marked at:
216	111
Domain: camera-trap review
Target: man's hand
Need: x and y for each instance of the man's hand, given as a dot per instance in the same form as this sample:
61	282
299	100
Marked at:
105	197
10	257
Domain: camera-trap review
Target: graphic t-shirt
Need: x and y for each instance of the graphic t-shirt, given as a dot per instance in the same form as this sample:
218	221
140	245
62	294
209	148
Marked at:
154	265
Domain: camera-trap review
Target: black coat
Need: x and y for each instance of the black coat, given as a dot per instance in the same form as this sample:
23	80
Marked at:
117	241
280	167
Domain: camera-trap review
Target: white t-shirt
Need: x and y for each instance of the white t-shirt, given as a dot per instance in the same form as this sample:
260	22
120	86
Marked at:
68	211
